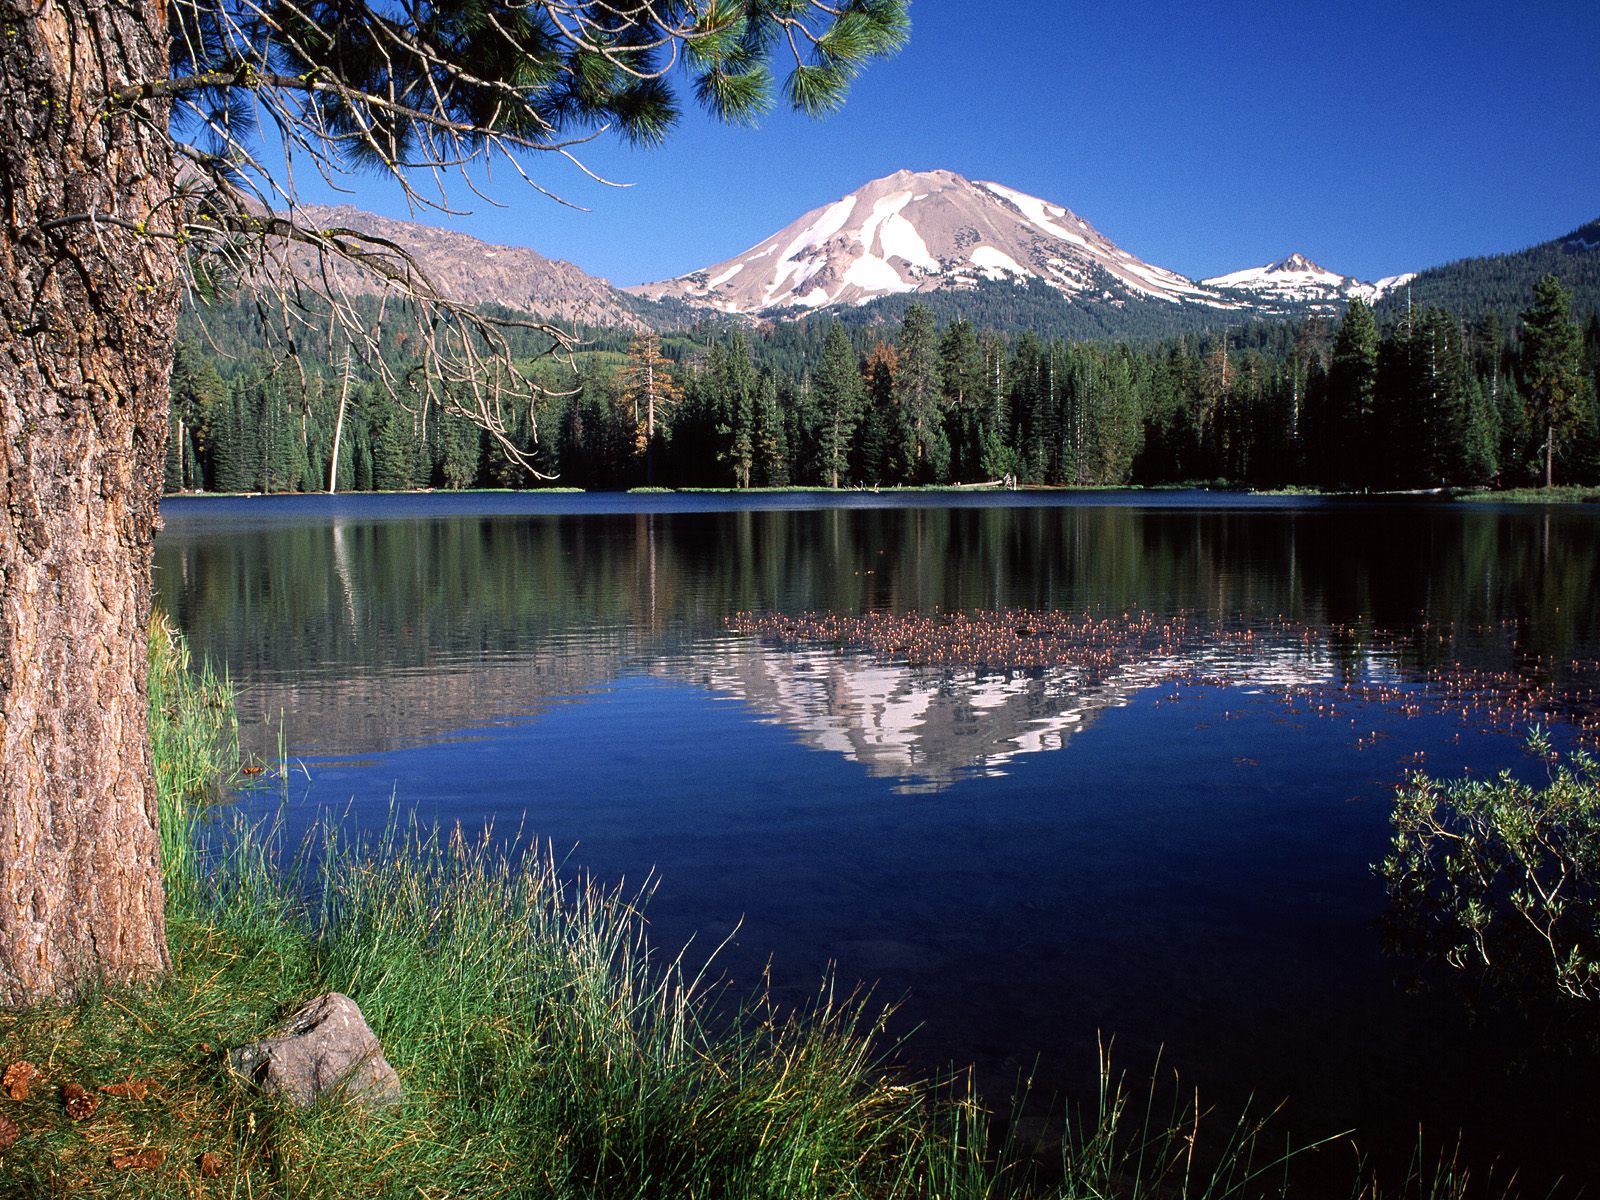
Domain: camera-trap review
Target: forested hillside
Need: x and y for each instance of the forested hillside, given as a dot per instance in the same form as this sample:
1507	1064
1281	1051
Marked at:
1423	399
1499	284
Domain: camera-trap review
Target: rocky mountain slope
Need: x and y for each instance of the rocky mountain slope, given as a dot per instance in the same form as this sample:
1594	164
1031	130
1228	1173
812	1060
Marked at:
981	250
476	272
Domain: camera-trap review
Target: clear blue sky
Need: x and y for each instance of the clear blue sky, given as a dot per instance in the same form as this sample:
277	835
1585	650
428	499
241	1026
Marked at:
1203	137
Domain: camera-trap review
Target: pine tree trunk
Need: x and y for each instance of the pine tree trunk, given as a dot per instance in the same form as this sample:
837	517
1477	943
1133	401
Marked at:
88	301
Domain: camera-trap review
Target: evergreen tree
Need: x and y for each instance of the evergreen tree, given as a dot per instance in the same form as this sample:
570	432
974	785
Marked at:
236	448
731	381
771	467
198	395
1352	385
396	454
1110	419
460	444
279	461
840	399
1035	427
871	459
1552	364
998	459
796	399
1586	448
101	101
923	450
965	379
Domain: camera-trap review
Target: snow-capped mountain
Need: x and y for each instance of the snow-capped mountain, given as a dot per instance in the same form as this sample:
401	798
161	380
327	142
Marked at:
919	231
1298	280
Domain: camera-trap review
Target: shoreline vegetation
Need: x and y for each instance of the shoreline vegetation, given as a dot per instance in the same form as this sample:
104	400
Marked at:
1560	494
546	1050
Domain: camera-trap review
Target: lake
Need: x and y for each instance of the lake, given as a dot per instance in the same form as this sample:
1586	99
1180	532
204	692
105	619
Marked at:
1044	770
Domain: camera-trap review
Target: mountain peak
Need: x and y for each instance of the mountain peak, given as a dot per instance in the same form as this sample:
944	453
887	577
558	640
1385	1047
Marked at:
1299	263
1297	280
919	231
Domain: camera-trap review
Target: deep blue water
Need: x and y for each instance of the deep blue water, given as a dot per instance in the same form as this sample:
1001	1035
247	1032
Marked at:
1173	850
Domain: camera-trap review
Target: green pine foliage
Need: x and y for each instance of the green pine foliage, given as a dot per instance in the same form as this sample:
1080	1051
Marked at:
1425	400
840	396
1498	285
1553	369
921	447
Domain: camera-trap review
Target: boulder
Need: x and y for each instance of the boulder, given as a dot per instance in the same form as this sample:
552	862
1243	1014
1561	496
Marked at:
324	1049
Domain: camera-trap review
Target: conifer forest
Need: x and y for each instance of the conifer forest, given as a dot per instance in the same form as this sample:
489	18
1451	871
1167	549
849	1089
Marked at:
1423	400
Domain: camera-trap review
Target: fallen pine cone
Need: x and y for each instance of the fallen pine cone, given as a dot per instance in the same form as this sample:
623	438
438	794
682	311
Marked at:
211	1164
18	1078
10	1131
80	1105
142	1160
134	1089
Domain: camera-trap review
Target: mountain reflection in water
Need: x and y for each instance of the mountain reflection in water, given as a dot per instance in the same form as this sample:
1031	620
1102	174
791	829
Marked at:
370	635
1160	829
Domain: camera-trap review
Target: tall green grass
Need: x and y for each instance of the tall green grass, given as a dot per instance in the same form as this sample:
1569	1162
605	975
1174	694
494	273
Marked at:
545	1049
194	739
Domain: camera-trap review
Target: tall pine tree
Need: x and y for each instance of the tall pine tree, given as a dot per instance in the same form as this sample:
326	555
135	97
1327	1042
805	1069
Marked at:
1352	388
1552	367
839	398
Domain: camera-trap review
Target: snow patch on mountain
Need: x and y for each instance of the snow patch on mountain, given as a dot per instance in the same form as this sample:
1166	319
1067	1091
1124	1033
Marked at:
1390	283
922	231
1039	212
996	264
875	277
1299	281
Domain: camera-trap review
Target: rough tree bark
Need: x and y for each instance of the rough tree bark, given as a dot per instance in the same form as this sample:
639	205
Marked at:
88	299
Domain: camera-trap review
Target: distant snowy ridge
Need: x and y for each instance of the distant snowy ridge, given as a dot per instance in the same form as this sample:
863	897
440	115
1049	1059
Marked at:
1297	280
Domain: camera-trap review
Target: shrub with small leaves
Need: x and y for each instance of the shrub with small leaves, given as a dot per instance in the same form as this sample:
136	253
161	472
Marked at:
1505	875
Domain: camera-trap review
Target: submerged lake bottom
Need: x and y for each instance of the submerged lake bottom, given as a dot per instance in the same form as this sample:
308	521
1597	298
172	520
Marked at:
1046	776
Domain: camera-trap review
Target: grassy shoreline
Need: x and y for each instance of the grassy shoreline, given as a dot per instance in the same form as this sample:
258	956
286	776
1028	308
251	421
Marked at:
1561	494
546	1051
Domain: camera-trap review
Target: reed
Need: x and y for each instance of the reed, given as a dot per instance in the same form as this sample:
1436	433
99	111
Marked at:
194	740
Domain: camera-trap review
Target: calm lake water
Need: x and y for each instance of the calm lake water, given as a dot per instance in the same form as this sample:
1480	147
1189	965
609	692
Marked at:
1166	841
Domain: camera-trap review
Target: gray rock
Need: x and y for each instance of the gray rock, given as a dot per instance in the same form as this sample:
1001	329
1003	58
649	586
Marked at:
325	1049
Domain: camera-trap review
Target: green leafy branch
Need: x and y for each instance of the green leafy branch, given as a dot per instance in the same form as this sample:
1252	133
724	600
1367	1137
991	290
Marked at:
1508	874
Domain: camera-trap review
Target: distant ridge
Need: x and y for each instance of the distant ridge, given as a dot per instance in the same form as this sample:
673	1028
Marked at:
1298	280
975	250
1501	285
474	272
